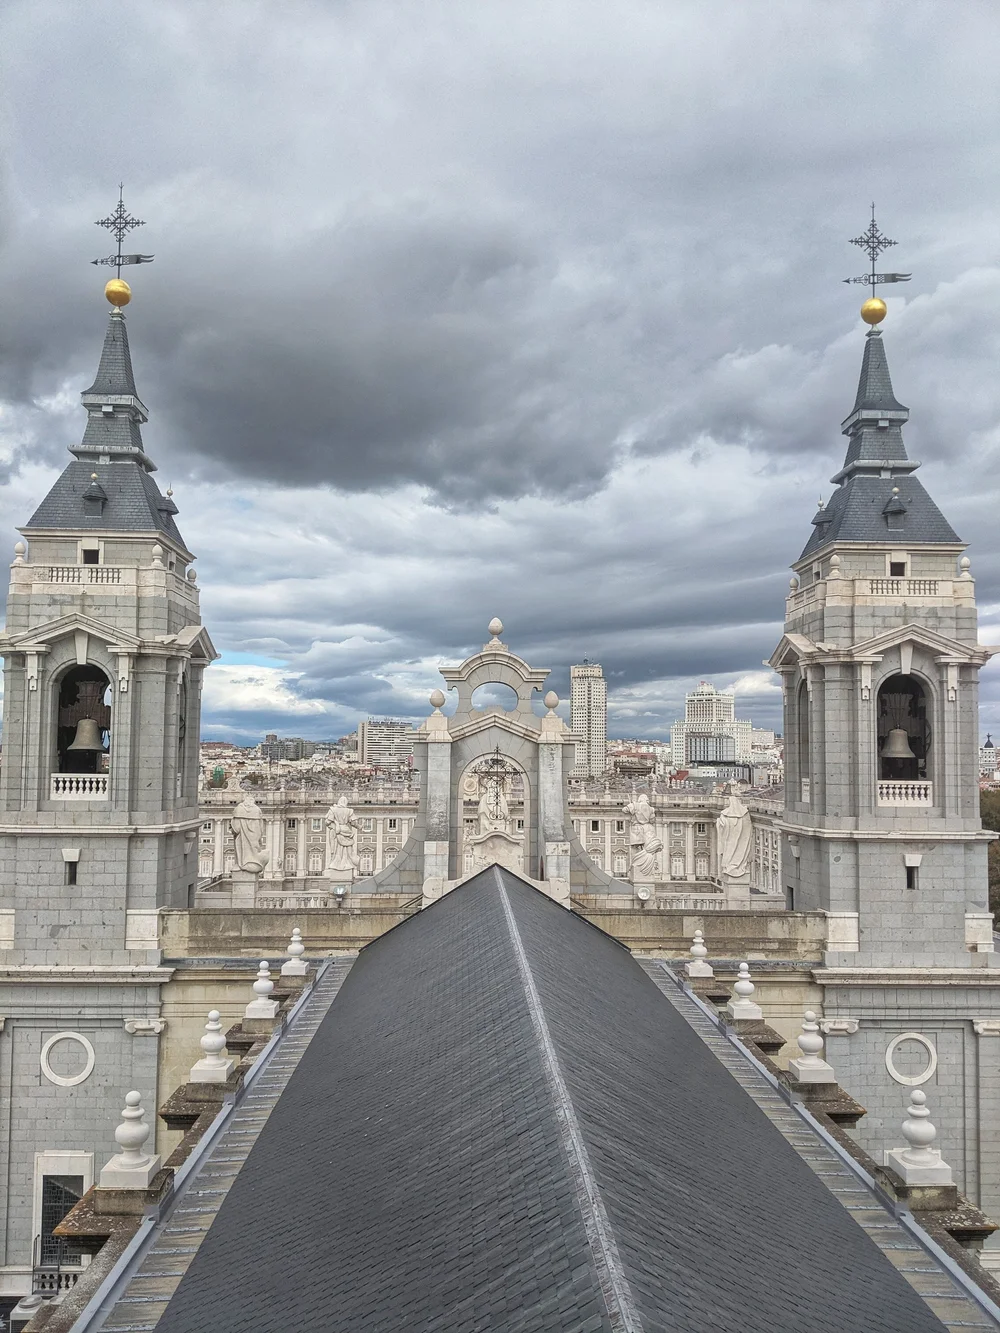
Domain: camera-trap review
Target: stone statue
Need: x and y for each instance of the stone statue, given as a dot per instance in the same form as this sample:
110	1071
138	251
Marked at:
494	812
342	836
735	837
642	838
249	831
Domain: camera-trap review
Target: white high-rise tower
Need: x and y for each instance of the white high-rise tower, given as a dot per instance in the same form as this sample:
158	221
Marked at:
589	718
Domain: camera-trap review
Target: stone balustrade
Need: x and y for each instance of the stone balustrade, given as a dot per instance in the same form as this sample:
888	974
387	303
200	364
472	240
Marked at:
78	787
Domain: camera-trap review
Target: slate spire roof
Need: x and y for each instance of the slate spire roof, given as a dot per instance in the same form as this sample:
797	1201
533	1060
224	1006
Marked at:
878	499
112	448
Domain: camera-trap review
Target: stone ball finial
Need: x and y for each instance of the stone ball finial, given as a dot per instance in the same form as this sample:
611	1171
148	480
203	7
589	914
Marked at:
263	985
793	584
192	575
810	1039
133	1131
743	986
157	554
965	564
295	946
437	698
213	1043
551	700
495	627
698	949
918	1131
835	566
19	550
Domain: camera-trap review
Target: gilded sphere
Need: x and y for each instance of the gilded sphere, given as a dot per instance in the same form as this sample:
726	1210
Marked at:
873	311
118	292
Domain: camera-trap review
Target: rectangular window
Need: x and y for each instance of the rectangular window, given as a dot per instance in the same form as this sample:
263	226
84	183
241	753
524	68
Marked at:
619	826
520	825
59	1194
392	824
208	826
91	556
701	829
911	877
595	826
366	824
897	569
316	825
291	824
71	872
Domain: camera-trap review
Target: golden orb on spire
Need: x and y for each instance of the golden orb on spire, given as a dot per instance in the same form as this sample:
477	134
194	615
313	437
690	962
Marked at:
872	312
119	293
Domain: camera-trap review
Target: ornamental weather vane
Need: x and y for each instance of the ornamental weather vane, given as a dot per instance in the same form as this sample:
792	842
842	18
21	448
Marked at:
873	243
119	224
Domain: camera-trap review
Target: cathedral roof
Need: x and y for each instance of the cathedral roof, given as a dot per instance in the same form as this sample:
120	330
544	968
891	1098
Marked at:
877	497
503	1123
112	447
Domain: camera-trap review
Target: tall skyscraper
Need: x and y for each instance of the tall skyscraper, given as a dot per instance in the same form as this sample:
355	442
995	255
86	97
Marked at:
588	705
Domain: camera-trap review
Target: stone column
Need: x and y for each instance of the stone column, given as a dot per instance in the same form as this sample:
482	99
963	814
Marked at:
437	801
219	846
301	869
552	821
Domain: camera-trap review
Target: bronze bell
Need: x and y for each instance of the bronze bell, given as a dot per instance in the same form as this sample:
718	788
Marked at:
897	745
88	736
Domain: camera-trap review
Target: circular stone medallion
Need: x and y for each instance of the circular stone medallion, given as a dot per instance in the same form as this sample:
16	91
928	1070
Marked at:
68	1080
911	1080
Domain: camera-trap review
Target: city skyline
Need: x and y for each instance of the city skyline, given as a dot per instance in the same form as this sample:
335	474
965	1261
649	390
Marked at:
616	382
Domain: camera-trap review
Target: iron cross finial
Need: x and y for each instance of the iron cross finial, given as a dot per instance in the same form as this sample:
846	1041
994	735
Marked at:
119	224
873	242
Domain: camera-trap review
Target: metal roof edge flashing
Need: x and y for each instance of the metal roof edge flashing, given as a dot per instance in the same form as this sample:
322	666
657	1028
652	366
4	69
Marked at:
96	1310
897	1210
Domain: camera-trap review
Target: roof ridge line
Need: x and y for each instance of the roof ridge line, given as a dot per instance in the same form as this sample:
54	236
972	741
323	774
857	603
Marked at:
622	1309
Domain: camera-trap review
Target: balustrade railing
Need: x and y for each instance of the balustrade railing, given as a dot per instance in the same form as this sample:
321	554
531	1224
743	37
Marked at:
903	587
78	787
905	793
84	574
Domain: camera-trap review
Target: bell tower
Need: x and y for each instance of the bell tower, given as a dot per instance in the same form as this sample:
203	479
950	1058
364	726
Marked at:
879	663
104	654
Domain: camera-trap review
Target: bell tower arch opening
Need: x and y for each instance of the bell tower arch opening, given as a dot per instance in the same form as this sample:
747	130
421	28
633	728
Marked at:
83	720
903	730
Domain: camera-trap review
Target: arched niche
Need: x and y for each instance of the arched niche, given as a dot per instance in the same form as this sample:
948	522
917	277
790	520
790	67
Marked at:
83	720
473	805
903	730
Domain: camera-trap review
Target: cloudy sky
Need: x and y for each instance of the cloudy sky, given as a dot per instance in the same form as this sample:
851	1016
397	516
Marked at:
503	308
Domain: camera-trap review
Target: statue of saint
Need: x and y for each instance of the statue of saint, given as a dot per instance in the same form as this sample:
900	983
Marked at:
494	812
342	837
249	831
642	838
735	838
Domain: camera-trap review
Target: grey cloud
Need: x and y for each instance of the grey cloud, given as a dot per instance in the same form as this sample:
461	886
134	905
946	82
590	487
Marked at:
468	266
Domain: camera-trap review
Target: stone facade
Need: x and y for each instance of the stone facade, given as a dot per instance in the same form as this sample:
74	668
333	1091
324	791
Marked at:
103	661
881	829
296	839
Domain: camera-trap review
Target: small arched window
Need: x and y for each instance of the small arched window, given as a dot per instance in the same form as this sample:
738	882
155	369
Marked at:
904	733
83	721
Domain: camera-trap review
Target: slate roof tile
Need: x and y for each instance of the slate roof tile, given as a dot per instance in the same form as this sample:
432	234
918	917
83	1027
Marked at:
415	1175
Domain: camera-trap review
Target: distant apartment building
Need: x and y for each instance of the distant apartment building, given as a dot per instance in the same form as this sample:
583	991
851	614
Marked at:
988	757
588	718
385	743
275	748
711	732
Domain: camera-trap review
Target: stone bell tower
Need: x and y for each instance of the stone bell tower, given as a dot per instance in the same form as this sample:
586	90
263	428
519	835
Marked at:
104	654
881	831
879	664
103	660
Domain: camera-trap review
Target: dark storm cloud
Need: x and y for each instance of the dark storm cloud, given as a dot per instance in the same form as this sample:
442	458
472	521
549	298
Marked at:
502	308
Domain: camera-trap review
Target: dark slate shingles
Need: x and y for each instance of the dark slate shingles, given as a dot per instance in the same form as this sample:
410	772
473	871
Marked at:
413	1177
134	501
855	511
